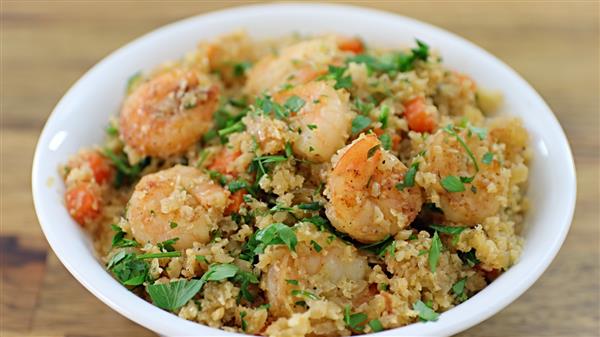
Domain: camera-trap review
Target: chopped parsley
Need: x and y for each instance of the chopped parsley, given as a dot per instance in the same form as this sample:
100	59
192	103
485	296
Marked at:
167	245
469	258
240	69
111	130
316	246
394	62
173	295
312	206
375	325
386	141
453	184
488	157
125	171
359	123
132	82
158	255
337	74
274	234
173	224
119	239
292	282
426	314
459	290
201	258
409	177
237	185
354	321
384	115
305	294
311	126
451	230
128	269
244	323
434	252
294	103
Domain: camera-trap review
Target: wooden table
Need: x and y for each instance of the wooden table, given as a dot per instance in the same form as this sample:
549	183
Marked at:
47	46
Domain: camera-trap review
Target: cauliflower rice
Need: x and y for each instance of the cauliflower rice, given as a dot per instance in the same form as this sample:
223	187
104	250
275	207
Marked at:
308	185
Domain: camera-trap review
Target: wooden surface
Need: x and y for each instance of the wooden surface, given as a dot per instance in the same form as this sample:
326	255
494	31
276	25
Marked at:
46	46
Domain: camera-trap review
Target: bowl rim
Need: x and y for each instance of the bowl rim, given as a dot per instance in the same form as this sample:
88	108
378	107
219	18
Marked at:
163	322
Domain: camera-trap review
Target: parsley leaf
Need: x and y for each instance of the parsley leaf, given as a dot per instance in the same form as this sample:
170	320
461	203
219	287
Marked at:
167	245
119	239
451	230
304	293
452	184
354	321
376	325
294	103
173	295
274	234
434	252
488	157
459	289
128	269
337	74
386	141
384	116
316	246
359	123
425	312
409	177
469	258
239	69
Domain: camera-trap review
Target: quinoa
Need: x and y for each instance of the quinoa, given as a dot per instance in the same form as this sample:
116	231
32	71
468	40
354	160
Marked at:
266	213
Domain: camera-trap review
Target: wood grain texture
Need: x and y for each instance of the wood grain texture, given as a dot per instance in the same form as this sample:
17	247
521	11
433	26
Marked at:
46	46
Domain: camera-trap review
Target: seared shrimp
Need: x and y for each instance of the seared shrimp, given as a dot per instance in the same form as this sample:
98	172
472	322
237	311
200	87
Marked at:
363	199
335	264
167	114
483	197
323	123
89	172
179	202
296	64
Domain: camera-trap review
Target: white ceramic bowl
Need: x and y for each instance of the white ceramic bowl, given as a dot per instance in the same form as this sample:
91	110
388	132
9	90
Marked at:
79	119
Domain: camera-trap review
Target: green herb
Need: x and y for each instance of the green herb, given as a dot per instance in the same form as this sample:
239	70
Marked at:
111	130
237	127
237	185
354	321
376	325
422	50
201	258
434	251
244	324
383	117
380	247
238	103
304	293
239	69
409	177
259	163
173	224
337	74
288	150
459	289
312	206
173	295
386	141
245	278
318	221
273	234
267	106
426	314
127	269
372	151
292	282
469	258
158	255
119	239
316	246
453	184
363	108
480	132
488	157
383	286
167	244
360	123
451	230
412	236
301	303
311	126
132	82
294	103
124	170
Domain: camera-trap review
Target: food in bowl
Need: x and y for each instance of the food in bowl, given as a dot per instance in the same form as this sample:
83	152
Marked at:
307	185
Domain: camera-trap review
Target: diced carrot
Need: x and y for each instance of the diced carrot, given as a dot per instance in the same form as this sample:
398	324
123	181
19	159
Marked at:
353	45
378	131
235	201
396	138
82	202
100	166
417	116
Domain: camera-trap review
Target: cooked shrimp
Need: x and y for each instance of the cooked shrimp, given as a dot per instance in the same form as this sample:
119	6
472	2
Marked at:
483	197
89	172
323	123
363	199
167	114
179	202
296	64
336	264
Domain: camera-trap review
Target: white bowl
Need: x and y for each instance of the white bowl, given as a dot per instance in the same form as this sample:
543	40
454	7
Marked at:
79	119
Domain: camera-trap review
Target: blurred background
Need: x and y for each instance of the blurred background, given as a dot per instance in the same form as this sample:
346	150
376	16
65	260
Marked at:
46	46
